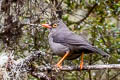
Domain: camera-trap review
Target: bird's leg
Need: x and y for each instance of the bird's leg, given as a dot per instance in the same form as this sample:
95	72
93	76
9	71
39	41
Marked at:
59	63
81	64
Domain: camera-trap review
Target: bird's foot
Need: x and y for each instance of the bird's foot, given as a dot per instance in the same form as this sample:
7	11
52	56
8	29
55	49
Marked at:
58	66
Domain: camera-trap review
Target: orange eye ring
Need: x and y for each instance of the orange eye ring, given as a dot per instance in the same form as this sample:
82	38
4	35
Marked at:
55	25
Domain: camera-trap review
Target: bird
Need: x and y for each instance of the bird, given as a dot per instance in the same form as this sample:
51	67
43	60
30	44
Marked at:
69	45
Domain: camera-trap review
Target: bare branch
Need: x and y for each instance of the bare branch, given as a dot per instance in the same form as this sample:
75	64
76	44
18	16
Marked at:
86	67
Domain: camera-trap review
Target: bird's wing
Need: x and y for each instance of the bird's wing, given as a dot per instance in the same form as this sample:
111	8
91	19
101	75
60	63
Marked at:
69	38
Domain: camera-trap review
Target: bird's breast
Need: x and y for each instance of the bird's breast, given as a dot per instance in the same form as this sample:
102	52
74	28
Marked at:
57	48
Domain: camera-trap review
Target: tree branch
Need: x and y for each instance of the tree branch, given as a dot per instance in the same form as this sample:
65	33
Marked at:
40	75
25	66
86	67
35	55
21	66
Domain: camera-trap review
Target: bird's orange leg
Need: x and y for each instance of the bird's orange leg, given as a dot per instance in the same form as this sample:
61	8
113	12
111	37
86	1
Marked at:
59	63
81	64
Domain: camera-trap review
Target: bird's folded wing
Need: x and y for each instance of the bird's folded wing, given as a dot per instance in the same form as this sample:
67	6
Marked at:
69	38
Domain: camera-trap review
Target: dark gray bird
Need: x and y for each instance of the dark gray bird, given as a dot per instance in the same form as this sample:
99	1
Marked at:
67	44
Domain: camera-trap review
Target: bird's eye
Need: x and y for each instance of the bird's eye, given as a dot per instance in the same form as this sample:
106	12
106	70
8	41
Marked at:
54	25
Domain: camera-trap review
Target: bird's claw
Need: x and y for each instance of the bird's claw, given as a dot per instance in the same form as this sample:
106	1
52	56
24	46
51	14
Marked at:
58	66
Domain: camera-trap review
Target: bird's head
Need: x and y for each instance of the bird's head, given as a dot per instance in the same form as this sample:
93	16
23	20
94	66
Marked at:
57	25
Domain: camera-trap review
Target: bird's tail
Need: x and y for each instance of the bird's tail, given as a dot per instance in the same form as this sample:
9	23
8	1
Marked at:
97	50
104	54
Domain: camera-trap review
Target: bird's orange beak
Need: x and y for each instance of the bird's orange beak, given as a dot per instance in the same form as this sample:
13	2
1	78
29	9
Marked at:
46	25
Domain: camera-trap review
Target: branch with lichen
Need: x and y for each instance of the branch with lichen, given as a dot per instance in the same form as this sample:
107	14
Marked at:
77	68
24	66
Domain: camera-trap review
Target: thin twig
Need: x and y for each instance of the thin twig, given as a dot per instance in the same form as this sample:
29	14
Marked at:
87	15
32	24
115	76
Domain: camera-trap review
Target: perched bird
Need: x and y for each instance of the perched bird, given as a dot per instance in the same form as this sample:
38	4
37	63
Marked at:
67	44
